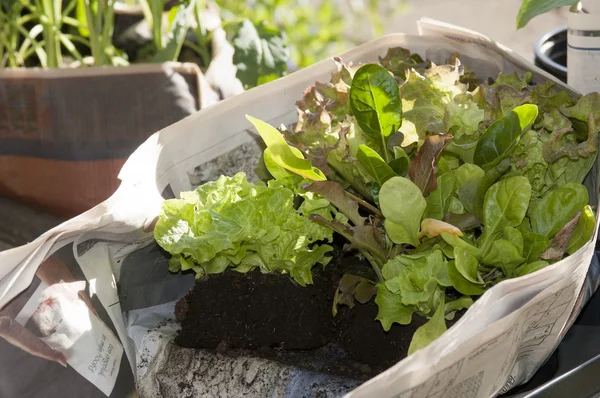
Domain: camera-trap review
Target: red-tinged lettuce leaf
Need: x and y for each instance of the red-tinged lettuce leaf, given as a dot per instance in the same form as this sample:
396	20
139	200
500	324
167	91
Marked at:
468	77
498	101
353	288
513	80
502	136
334	193
343	158
587	104
558	145
536	147
334	150
424	100
398	60
553	119
421	170
557	249
328	98
344	72
369	238
547	96
323	117
365	238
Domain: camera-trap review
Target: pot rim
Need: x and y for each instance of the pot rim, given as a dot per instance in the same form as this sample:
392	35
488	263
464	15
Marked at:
545	38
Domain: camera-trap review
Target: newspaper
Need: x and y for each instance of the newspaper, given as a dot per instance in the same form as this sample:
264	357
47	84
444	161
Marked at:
87	309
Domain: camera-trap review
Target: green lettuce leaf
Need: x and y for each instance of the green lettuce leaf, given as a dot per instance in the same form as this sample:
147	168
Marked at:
402	205
416	277
282	154
503	254
231	222
466	172
548	215
462	116
583	231
462	284
587	104
377	168
505	205
438	200
375	103
467	265
427	333
514	80
452	307
391	309
529	268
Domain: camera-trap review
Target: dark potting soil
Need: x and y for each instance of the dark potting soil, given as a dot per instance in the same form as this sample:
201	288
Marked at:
271	316
255	310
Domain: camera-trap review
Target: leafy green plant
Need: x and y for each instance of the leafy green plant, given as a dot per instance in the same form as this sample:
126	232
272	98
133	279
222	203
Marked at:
231	221
462	213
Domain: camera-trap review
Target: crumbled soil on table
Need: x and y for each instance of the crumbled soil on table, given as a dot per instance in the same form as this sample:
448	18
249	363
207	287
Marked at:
271	316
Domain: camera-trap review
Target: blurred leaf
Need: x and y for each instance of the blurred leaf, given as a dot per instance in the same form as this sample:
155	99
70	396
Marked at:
532	8
260	53
80	15
179	23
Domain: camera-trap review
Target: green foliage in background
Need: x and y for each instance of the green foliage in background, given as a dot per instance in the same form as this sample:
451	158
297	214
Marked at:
315	29
269	36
